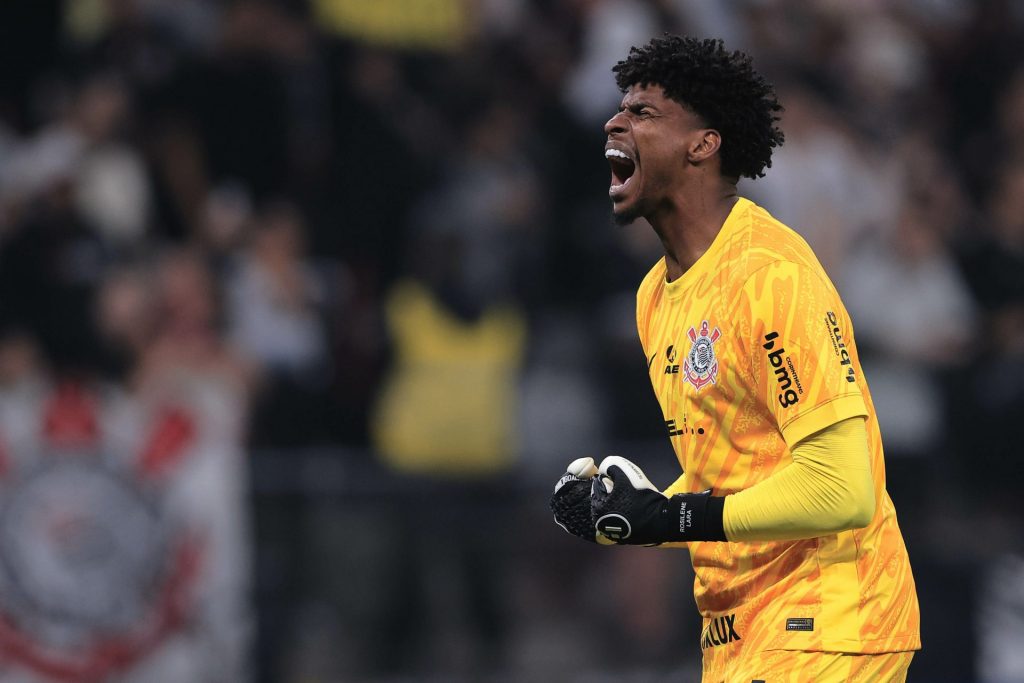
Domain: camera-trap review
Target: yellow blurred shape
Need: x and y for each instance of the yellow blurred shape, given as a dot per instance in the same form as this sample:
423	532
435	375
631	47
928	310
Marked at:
412	24
449	406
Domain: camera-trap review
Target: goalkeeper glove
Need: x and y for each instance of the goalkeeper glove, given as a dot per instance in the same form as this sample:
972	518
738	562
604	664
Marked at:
628	509
571	500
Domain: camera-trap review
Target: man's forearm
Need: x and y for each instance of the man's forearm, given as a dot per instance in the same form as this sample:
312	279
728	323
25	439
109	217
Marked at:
827	488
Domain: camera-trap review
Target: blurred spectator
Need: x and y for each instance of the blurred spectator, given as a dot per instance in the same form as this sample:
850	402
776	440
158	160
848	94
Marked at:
273	296
274	308
999	619
387	145
225	221
610	28
914	320
188	348
112	186
85	148
448	407
975	69
830	185
126	317
993	260
563	412
241	81
49	265
487	206
884	64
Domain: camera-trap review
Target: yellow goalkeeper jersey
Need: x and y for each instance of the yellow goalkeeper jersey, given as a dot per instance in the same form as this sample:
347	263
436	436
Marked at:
750	351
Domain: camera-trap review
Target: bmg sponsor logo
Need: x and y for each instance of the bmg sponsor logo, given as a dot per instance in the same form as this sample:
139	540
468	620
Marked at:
785	372
832	323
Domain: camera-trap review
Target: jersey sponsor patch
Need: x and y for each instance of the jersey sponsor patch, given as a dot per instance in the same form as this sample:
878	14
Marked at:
800	624
701	366
670	355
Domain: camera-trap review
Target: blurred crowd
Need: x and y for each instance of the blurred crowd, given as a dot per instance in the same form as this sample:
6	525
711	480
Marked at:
380	232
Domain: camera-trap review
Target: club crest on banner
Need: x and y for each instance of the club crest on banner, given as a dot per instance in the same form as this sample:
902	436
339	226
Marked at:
97	572
701	366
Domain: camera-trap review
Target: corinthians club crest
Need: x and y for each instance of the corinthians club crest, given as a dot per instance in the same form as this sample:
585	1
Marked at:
700	366
99	569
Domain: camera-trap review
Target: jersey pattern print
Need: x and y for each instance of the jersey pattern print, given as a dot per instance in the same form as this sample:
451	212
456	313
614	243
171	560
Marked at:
750	351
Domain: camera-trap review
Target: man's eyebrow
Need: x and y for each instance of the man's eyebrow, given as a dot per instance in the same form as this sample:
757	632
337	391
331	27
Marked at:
637	105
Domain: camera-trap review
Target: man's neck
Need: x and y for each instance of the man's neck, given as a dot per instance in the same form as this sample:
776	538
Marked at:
687	228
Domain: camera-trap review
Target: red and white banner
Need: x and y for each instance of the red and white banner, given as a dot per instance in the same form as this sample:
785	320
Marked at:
123	537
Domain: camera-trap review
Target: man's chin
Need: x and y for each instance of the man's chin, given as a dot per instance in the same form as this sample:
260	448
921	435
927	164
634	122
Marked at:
625	215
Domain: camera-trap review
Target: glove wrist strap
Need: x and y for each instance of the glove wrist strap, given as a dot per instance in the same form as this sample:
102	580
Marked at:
694	517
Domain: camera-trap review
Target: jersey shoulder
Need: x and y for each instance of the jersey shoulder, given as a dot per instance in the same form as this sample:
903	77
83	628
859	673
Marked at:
771	241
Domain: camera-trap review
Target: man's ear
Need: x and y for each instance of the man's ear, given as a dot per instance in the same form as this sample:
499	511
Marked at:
704	146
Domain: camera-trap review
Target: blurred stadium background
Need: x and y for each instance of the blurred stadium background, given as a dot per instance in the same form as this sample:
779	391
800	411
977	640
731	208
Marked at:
304	306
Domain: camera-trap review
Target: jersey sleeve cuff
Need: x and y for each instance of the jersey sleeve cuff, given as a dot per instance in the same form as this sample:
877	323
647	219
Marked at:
824	415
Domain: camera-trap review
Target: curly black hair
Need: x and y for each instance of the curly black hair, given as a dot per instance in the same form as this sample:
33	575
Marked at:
719	86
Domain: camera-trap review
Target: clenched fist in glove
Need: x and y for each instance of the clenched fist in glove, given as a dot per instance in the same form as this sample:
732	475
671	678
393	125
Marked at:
628	509
571	500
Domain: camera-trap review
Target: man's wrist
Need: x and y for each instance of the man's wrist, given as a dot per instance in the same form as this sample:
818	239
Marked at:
694	517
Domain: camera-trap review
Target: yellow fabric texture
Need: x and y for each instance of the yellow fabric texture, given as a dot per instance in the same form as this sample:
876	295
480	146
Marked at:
449	404
750	352
786	665
826	489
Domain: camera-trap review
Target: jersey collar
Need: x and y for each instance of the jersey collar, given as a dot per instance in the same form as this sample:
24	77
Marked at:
708	259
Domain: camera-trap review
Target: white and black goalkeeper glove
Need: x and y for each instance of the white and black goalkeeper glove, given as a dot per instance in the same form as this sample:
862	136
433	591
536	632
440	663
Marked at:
571	500
628	509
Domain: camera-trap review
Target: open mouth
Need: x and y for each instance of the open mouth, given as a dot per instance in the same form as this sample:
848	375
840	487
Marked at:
622	166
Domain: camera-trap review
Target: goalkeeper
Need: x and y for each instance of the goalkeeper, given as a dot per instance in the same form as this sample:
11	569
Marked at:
801	570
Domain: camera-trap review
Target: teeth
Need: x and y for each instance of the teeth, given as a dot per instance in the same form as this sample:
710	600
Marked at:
615	189
615	153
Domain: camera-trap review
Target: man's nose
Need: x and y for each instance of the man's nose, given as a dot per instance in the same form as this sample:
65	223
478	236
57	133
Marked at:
616	124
